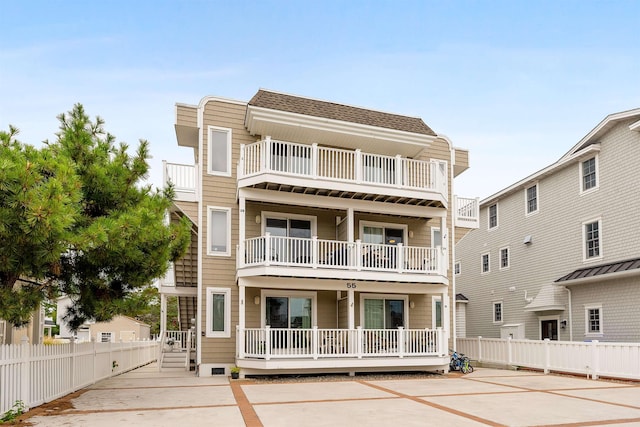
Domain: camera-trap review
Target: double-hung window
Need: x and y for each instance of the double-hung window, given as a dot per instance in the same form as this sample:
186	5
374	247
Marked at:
531	195
219	149
504	258
485	263
218	313
589	174
493	216
593	319
219	231
497	312
592	245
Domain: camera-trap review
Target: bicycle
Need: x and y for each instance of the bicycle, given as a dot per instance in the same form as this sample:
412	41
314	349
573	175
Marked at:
460	362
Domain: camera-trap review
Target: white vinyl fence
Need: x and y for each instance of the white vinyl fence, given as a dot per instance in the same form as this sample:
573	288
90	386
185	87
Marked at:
35	374
594	358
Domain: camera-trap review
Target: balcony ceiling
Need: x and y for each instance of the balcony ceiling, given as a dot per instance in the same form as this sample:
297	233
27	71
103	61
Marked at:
286	126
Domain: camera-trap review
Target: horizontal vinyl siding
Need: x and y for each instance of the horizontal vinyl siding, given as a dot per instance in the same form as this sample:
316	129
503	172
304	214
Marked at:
557	241
220	191
186	115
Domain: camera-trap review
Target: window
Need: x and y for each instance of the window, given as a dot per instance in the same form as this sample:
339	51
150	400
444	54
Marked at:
493	216
485	263
593	319
218	313
219	235
383	312
592	243
497	312
531	195
504	258
219	151
456	268
436	312
289	309
290	236
589	174
106	337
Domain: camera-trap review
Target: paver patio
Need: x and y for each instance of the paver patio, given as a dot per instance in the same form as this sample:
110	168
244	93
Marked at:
146	397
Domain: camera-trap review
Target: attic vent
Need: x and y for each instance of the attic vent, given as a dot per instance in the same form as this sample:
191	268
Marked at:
217	371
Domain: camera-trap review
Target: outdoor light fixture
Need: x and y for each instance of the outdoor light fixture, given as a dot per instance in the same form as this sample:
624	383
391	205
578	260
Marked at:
256	300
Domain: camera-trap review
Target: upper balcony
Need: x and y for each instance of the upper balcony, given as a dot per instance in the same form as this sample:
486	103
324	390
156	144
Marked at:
294	167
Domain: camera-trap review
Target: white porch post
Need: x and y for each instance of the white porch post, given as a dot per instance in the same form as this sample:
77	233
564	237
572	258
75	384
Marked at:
444	232
242	201
241	304
352	309
350	225
163	313
241	320
446	320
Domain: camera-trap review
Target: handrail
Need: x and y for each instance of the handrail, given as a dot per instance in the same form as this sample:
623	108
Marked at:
334	164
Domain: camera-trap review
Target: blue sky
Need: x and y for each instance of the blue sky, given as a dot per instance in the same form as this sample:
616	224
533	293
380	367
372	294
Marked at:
517	83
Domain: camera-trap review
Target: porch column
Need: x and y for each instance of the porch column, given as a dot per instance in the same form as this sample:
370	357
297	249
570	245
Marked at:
241	304
351	235
352	309
444	232
242	202
446	319
163	313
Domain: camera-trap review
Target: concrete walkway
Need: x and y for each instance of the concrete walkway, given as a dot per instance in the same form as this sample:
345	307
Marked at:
145	397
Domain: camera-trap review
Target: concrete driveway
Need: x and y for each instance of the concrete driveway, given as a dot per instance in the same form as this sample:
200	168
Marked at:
145	397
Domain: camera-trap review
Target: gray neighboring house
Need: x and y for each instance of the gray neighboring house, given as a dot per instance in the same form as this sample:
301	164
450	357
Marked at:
557	254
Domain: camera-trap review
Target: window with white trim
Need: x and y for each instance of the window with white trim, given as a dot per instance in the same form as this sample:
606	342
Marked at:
531	196
218	314
504	258
436	312
493	216
591	233
457	268
219	149
485	263
219	231
497	311
593	319
589	174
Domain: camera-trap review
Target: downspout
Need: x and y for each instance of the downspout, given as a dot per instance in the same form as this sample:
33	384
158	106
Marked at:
570	314
452	246
200	121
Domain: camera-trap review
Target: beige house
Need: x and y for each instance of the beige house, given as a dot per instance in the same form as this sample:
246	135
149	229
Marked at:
120	328
322	236
32	331
557	254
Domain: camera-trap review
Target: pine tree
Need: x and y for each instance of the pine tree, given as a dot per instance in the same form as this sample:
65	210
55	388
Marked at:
75	219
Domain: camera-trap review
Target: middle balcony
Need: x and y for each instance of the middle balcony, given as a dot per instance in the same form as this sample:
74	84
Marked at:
313	257
336	172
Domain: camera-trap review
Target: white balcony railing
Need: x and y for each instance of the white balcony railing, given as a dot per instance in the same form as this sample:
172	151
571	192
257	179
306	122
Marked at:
467	212
314	343
318	253
183	178
333	164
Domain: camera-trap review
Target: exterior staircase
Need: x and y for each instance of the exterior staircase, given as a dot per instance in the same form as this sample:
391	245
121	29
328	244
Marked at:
177	349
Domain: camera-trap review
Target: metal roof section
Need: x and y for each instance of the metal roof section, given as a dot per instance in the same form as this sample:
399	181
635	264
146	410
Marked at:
601	272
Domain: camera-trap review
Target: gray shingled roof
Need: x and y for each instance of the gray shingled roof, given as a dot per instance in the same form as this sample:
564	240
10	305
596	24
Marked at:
598	270
330	110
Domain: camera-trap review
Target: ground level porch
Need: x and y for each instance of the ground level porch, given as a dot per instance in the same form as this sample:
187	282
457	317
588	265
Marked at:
305	350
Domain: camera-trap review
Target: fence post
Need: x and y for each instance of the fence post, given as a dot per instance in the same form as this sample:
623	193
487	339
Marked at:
479	348
314	342
267	343
359	341
509	352
72	364
401	341
547	361
25	372
595	359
